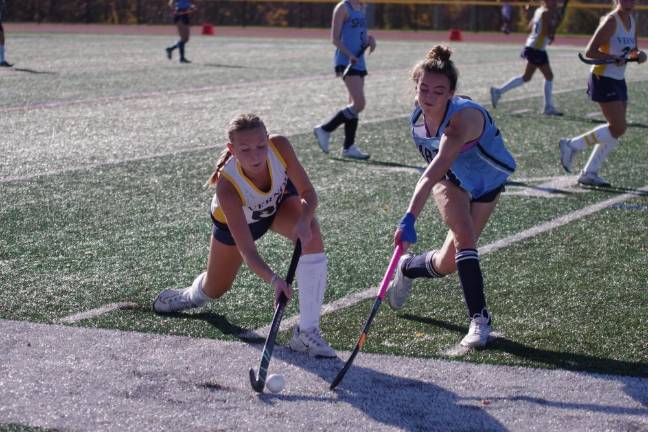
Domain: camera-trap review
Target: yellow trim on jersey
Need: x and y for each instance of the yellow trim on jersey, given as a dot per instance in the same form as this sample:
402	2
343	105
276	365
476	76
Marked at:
598	70
251	183
277	153
231	180
219	215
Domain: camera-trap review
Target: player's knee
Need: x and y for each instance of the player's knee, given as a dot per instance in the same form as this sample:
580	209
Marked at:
526	77
549	76
358	105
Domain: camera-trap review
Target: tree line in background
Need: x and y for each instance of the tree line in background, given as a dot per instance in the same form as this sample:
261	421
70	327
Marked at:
469	17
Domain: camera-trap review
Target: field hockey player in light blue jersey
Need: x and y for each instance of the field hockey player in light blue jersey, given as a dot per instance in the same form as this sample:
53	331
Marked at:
468	165
349	35
543	27
182	10
261	186
615	39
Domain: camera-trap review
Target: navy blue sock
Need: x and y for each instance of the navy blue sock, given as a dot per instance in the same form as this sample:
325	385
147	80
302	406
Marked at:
181	45
173	47
350	128
421	266
335	122
472	281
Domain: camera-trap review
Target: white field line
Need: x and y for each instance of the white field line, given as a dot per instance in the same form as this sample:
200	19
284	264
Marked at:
93	313
352	299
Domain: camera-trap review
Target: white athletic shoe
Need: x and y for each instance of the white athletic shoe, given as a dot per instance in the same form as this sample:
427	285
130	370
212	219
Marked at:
566	153
551	111
400	287
323	138
173	300
592	179
310	341
354	152
495	96
477	333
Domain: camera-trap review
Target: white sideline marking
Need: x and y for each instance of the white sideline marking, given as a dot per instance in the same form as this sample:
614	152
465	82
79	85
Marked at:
352	299
93	313
594	114
521	111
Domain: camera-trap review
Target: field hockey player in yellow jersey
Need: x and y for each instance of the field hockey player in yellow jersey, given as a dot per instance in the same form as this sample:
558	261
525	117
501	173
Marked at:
615	39
260	186
543	27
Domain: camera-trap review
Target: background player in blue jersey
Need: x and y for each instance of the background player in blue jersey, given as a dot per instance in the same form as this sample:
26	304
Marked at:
260	186
3	61
468	165
543	27
182	10
349	35
615	38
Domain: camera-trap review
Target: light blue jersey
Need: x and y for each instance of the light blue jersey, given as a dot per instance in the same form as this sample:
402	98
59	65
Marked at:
354	37
183	4
482	165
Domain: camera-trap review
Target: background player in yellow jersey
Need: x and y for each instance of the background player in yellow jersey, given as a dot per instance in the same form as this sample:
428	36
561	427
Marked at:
260	185
615	38
543	27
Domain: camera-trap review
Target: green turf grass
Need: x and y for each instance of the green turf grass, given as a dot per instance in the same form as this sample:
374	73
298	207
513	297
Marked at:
571	298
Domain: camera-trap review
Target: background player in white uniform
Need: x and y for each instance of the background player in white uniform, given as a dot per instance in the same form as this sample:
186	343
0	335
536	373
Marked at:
254	180
3	61
468	165
543	27
615	38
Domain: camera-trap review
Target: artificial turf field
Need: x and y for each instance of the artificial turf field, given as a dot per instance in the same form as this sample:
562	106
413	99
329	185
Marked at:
106	146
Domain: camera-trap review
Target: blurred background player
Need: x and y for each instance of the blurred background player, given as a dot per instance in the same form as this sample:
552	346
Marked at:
182	9
468	165
615	38
260	185
3	61
543	27
507	16
349	35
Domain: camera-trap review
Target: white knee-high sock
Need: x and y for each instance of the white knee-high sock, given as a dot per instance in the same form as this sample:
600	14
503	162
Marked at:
510	85
311	280
599	155
548	99
196	293
598	135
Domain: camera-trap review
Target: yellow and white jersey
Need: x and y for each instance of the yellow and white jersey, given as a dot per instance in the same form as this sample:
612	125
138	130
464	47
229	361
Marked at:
622	41
257	204
538	38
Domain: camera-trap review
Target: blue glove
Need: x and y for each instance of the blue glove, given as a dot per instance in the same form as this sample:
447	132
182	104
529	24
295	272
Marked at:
406	225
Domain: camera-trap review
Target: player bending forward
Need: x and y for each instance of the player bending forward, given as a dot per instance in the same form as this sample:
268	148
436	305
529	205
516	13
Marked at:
468	165
260	185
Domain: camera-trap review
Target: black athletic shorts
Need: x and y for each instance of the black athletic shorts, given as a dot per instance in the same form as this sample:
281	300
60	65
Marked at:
352	72
606	89
489	196
181	17
535	56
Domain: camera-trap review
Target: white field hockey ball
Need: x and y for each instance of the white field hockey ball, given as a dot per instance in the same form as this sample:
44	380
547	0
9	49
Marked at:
275	383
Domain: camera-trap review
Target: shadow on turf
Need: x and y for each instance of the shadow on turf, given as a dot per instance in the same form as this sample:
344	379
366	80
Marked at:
409	407
557	359
32	71
405	403
616	190
380	163
540	188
